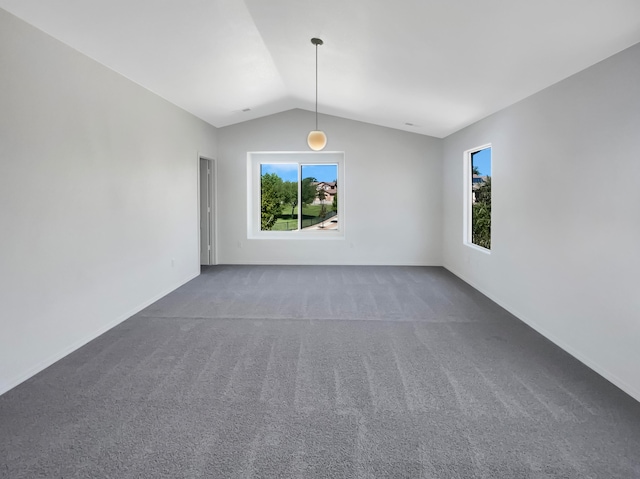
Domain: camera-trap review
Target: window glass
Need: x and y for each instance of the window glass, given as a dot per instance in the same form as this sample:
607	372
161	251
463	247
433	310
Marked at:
281	200
319	197
479	209
278	196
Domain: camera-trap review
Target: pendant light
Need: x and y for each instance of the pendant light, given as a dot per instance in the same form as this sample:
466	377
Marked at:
317	139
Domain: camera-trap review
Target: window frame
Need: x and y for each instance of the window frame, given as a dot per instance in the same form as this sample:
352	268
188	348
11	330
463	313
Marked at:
257	158
468	197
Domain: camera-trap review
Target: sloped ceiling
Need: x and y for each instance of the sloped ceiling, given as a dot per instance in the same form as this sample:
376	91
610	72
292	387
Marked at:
438	65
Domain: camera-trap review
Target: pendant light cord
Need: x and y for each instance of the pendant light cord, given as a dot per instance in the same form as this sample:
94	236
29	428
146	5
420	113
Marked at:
316	86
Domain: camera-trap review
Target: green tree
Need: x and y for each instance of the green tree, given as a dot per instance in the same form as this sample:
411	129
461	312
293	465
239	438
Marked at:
321	194
483	193
334	205
481	216
271	187
290	194
308	190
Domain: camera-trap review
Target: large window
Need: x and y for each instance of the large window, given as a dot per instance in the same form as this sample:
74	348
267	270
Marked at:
295	195
478	197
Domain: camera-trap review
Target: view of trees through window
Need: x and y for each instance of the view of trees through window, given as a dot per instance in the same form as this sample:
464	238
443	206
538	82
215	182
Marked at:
481	198
298	196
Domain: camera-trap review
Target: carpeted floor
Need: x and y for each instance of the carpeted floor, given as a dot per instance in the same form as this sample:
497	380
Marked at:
320	372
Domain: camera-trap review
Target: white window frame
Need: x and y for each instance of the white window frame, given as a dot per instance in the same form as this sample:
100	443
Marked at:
467	230
257	158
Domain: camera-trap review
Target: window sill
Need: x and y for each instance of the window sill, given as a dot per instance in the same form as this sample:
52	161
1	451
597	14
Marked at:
478	248
297	235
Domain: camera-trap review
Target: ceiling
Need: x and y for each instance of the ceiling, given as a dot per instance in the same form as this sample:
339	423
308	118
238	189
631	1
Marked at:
438	65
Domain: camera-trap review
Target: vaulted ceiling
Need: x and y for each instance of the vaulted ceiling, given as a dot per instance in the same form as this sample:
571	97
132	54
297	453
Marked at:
427	66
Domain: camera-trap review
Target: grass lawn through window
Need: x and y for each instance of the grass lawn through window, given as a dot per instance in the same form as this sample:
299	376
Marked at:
310	216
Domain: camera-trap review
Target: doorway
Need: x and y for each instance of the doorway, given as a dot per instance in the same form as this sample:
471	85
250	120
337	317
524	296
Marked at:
207	225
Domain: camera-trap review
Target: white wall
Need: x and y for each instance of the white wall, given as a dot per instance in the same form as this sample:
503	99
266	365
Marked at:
392	193
98	192
566	220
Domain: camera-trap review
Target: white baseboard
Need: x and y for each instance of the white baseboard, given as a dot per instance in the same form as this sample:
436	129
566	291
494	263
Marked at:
41	365
311	263
608	375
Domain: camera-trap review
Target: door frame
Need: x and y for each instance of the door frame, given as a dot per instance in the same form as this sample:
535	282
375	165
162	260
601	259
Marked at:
213	206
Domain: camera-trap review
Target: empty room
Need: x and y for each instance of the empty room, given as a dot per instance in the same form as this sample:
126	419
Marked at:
333	239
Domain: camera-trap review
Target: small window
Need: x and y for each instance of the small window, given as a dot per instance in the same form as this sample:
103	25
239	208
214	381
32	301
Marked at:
478	197
295	195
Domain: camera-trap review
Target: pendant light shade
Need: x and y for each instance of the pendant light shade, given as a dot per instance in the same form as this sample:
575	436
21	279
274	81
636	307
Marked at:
317	139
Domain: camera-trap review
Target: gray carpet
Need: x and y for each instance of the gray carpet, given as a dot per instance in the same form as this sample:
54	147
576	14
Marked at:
327	372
